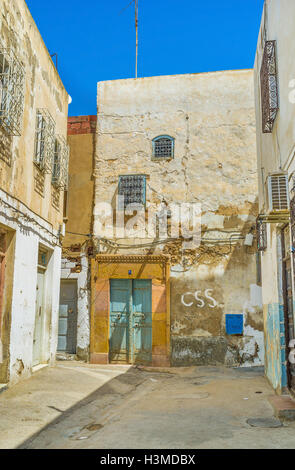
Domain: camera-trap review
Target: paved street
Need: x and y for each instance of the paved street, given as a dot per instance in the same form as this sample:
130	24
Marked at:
77	405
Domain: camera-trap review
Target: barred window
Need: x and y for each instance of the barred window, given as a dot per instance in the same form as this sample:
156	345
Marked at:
163	147
12	78
44	140
269	87
60	163
133	189
261	234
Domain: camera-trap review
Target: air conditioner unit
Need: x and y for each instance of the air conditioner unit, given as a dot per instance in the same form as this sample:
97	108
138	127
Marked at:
278	193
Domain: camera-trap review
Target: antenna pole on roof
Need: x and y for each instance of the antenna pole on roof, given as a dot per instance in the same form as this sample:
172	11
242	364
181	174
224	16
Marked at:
136	28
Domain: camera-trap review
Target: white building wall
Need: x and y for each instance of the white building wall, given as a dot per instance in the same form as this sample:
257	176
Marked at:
30	231
275	154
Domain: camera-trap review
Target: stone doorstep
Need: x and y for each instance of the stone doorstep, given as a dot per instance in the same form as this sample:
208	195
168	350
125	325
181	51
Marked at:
3	387
284	407
61	356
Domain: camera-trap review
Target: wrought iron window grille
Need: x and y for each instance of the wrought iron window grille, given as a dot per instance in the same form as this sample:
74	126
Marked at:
133	189
60	166
44	141
269	87
261	234
12	80
163	147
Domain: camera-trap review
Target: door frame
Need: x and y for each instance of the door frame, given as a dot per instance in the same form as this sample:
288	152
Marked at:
43	267
153	267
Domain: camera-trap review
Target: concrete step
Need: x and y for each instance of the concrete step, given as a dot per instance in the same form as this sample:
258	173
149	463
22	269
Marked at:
62	356
3	387
284	407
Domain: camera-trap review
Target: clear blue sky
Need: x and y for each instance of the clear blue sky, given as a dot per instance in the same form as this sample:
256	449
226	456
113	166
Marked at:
95	42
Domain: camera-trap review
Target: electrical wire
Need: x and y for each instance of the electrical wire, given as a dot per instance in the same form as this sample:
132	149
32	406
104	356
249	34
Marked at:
28	218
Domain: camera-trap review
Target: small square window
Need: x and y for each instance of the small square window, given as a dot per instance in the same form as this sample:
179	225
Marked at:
133	189
163	147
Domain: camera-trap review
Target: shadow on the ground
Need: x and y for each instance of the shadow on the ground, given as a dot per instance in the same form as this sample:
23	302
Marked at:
128	380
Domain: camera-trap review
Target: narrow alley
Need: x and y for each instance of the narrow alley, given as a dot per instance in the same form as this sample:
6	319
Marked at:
81	406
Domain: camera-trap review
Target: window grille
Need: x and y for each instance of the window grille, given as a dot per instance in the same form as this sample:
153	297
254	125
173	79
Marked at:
60	163
261	234
12	78
278	192
163	147
44	140
269	87
133	189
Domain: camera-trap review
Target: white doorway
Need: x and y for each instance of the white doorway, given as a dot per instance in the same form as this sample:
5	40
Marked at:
40	307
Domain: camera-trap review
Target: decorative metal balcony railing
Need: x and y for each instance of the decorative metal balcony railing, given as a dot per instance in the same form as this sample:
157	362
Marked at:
269	87
12	79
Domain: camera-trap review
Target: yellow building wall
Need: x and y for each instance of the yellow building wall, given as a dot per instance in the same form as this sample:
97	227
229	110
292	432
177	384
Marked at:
43	89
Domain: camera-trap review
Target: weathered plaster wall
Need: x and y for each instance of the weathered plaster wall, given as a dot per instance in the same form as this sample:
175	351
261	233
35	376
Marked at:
211	116
81	139
275	153
6	306
19	309
43	89
31	209
79	214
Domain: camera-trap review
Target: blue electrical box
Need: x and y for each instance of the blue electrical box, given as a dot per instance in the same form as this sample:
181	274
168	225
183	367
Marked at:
234	324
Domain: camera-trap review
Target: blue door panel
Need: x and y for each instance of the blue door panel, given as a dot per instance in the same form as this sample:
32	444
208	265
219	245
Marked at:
142	321
131	321
119	320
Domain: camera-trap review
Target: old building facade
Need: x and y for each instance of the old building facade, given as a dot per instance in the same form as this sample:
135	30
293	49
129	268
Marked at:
74	311
275	112
33	175
182	147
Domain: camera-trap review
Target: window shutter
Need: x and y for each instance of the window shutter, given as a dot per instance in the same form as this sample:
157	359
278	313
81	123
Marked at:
278	192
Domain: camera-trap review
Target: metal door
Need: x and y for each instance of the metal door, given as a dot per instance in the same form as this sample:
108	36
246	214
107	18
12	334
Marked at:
67	324
39	320
130	321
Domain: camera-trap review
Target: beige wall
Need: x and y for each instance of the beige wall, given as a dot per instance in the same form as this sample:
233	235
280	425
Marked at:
43	89
212	118
80	192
